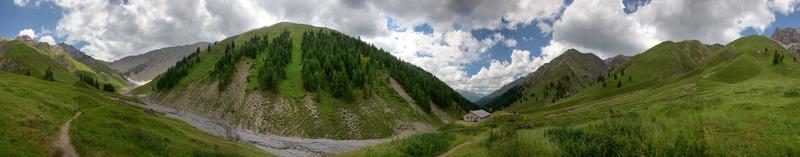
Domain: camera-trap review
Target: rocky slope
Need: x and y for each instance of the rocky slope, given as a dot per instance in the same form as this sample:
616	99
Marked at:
790	39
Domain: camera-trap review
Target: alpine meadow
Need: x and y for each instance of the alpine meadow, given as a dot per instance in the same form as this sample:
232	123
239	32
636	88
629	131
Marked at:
422	78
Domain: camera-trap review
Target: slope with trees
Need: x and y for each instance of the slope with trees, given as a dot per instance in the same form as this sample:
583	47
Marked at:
301	80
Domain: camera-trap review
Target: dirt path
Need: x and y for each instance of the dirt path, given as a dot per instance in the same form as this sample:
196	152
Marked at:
455	148
63	145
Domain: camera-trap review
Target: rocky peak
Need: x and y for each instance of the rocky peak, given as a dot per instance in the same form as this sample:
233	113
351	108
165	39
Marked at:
616	60
25	39
789	38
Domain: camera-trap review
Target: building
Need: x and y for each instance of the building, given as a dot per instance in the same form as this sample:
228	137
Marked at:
476	116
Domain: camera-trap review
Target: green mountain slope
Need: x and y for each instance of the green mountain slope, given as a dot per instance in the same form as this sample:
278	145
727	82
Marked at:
659	65
301	80
565	75
34	109
21	58
682	100
36	58
104	73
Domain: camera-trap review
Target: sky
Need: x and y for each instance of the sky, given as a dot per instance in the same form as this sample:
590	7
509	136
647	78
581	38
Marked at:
472	45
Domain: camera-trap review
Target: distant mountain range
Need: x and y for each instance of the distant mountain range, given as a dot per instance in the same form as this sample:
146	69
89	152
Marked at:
144	67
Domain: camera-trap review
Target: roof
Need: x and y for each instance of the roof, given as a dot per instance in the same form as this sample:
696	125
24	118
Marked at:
480	113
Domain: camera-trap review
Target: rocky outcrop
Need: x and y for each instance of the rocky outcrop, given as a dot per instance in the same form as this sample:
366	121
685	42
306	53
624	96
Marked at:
616	60
789	38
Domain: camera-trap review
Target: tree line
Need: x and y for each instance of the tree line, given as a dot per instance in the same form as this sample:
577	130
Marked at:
174	74
342	65
273	69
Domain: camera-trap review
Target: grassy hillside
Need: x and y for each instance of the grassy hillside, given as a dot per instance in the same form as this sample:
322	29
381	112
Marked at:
257	80
18	57
33	110
730	102
100	69
566	75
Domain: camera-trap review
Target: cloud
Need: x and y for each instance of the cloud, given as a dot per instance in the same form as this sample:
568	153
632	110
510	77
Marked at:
510	43
783	6
500	73
443	54
47	39
29	32
605	28
114	29
20	3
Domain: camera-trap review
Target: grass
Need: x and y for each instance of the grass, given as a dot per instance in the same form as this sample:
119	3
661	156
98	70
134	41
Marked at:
33	110
722	108
292	86
36	61
419	145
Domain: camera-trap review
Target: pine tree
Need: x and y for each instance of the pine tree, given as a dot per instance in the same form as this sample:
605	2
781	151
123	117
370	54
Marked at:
109	88
48	75
777	58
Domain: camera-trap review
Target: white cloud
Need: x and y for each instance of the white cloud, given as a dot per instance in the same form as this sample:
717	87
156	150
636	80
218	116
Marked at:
112	30
443	54
544	28
20	3
783	6
604	28
47	39
29	32
500	73
510	43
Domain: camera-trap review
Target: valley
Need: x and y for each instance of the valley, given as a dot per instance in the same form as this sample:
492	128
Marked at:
404	89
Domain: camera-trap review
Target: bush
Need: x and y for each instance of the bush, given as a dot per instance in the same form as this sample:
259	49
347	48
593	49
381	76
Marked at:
109	88
429	144
793	92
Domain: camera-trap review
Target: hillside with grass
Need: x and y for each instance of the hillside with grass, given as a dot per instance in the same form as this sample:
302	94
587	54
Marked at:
102	71
300	80
682	99
51	62
34	109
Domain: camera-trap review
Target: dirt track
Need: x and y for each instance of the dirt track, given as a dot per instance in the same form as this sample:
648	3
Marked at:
62	144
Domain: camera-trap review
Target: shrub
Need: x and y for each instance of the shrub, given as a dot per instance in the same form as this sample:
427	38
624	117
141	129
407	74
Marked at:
793	92
429	144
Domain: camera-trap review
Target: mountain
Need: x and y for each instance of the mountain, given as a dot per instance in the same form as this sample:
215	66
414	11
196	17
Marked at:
306	81
24	56
681	98
789	38
103	71
144	67
471	96
565	75
616	60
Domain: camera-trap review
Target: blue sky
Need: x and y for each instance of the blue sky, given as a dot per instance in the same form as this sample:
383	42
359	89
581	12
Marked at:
474	46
